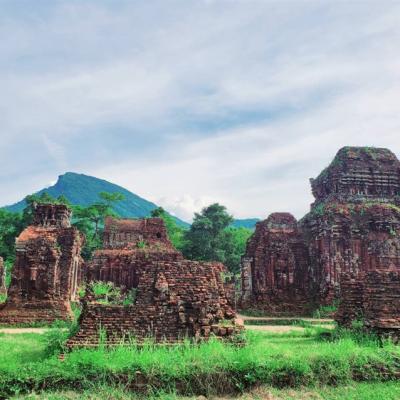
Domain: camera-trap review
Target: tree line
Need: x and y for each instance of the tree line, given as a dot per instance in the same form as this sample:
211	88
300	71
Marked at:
209	238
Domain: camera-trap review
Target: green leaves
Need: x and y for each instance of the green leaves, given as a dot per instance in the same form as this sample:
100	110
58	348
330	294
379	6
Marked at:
89	220
211	239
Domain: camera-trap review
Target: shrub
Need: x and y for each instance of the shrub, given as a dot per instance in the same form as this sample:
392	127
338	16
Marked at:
106	292
55	340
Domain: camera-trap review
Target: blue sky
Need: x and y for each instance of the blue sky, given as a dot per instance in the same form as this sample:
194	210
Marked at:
189	102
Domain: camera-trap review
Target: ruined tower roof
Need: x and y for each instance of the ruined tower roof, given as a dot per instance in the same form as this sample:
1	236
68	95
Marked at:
134	233
52	215
359	174
281	221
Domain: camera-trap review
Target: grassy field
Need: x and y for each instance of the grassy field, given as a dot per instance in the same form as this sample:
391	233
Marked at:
354	391
279	365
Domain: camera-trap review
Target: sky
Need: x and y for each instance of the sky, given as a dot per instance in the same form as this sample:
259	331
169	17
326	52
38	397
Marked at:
191	102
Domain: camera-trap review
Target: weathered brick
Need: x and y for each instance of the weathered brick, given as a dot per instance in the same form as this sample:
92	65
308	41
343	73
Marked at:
176	298
47	269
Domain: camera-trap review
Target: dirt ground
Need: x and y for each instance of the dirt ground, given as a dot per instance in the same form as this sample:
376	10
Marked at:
23	330
274	328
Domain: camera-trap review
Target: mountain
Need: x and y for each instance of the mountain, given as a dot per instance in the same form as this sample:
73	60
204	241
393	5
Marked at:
83	190
249	223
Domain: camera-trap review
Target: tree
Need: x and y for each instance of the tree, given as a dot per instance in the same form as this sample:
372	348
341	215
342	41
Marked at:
89	220
11	225
109	199
175	233
203	239
233	243
211	238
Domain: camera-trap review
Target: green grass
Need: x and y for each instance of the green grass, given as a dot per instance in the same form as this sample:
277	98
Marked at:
325	311
29	363
353	391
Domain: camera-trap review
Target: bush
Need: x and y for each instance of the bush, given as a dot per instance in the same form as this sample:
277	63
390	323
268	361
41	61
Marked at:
106	292
54	340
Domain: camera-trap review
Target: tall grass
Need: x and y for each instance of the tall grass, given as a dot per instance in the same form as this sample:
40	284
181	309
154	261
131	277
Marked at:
353	391
278	360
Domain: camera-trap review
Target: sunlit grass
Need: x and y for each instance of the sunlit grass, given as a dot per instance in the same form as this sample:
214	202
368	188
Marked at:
279	360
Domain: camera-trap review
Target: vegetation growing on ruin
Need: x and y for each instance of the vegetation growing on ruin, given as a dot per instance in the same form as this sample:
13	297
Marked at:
30	362
347	209
108	293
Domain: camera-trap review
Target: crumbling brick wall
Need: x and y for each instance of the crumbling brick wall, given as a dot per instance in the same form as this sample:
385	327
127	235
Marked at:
128	246
351	306
175	298
47	269
373	298
130	233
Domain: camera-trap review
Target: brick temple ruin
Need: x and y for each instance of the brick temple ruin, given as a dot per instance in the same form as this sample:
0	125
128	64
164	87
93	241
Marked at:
47	269
275	265
3	288
353	227
174	298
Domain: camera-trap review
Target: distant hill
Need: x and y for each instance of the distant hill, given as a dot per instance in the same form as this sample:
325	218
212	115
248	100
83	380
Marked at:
249	223
83	190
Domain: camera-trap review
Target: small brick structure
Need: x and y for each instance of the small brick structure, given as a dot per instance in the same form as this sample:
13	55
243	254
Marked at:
353	227
47	269
128	246
373	298
274	268
175	298
3	288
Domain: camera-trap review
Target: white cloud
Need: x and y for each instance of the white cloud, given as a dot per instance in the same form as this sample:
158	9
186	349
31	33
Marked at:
185	206
232	101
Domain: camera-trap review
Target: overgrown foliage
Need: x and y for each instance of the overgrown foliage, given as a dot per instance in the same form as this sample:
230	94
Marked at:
108	293
211	239
90	220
